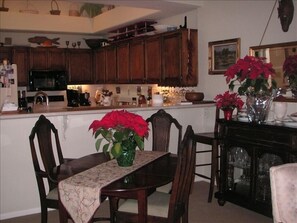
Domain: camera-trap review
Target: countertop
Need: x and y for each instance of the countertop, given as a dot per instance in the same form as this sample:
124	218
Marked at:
56	111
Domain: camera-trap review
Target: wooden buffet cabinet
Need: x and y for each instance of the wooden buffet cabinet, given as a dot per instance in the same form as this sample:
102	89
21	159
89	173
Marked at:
169	58
247	152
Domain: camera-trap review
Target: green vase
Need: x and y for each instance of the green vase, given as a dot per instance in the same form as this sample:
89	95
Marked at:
128	155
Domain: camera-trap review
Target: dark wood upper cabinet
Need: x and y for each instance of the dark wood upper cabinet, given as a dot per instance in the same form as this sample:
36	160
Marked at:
153	60
179	58
168	59
172	61
99	66
5	53
79	66
47	58
123	71
111	64
137	61
20	57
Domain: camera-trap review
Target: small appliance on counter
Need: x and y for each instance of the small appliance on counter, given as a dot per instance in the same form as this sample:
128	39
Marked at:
84	99
72	98
22	100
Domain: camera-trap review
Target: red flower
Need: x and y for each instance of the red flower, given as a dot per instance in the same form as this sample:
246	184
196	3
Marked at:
228	101
252	73
118	126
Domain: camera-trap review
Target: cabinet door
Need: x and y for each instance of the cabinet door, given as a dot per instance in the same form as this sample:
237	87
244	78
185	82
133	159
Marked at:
56	59
171	55
20	56
239	175
38	58
153	69
111	65
265	160
5	53
123	71
137	65
80	66
99	66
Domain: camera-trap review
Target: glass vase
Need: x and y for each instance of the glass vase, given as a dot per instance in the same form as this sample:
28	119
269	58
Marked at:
128	154
258	106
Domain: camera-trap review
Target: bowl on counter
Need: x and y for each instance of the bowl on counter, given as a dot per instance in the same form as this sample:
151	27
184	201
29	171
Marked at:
95	43
194	96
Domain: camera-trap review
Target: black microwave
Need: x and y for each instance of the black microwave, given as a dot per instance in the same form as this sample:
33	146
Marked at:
47	80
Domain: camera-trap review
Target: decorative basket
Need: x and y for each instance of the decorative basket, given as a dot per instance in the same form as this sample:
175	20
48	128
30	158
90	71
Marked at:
55	11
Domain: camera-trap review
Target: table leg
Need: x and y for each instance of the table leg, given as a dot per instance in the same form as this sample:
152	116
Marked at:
62	213
142	205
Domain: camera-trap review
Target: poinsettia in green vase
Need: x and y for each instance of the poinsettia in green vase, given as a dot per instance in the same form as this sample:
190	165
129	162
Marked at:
123	132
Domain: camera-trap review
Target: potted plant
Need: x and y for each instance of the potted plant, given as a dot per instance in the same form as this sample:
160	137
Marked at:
228	102
123	131
91	9
290	72
255	78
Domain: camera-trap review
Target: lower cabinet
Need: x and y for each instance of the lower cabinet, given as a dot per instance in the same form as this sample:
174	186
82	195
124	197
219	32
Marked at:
247	153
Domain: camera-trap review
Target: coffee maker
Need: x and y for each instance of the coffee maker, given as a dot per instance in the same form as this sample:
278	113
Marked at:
72	98
84	99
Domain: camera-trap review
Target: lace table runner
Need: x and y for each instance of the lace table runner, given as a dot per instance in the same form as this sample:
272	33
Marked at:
80	194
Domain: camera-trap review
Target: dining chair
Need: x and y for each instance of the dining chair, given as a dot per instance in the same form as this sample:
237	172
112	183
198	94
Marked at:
164	207
212	139
45	156
161	123
283	183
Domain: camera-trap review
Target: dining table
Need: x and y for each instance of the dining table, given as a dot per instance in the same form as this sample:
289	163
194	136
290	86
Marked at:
84	181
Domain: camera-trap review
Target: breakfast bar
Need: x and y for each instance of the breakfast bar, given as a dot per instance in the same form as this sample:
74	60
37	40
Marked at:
76	141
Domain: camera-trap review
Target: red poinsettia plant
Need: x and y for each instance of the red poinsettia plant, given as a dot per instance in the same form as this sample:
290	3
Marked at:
228	101
120	129
253	74
290	70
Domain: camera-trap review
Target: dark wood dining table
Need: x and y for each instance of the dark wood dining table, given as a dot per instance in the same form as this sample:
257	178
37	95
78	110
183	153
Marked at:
136	185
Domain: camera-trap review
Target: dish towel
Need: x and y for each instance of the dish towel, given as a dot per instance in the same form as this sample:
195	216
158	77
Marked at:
80	194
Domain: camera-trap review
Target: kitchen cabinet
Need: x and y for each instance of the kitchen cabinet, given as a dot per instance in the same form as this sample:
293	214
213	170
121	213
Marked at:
137	61
248	150
5	53
153	60
99	66
47	58
179	58
79	66
122	58
111	64
20	56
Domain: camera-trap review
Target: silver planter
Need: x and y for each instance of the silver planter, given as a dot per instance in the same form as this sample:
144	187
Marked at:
258	106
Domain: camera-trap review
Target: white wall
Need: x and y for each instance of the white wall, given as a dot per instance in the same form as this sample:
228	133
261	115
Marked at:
215	20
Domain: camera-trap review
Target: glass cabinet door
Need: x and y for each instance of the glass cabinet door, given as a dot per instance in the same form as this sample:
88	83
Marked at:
239	171
267	160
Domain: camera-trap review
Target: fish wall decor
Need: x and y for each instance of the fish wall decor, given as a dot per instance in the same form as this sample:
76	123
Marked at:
44	41
285	13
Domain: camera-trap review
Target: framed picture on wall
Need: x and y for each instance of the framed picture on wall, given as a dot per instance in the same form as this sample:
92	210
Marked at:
222	54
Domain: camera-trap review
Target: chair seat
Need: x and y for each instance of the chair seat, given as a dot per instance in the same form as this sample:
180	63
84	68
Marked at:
205	137
157	205
53	194
165	188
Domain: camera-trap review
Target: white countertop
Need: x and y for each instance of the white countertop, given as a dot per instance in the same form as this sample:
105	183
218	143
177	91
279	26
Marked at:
58	111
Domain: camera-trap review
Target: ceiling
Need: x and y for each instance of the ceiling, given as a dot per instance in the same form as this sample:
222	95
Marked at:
167	8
